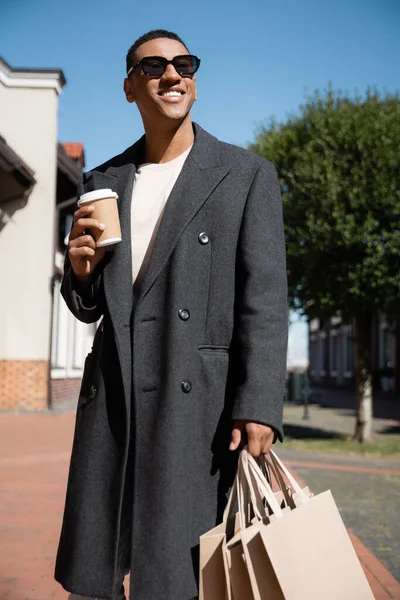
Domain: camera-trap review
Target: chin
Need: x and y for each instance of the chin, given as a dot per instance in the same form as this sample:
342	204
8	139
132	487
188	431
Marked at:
175	116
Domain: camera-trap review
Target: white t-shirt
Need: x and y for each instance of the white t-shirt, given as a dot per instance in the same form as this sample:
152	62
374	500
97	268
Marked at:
152	186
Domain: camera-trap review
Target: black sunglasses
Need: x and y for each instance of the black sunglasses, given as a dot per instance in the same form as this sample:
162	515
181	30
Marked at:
154	66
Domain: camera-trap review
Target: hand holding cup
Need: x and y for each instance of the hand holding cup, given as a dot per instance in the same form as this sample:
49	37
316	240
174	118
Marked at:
82	250
96	225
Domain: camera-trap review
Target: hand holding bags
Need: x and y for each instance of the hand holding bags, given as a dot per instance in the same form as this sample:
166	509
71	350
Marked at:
297	549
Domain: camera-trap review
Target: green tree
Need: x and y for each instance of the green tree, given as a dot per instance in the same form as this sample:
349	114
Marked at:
339	167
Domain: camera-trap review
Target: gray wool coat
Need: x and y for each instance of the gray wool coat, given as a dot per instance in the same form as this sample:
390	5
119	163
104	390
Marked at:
202	342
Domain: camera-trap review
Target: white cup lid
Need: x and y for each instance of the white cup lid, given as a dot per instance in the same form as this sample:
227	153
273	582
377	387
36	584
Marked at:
96	195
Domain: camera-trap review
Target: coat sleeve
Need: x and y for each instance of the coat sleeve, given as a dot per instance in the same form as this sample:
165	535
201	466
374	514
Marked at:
261	307
86	304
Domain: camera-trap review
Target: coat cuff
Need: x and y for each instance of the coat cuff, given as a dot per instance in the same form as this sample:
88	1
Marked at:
83	301
84	294
273	419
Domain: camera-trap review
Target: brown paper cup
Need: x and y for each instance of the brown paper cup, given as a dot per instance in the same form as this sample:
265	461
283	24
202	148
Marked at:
105	211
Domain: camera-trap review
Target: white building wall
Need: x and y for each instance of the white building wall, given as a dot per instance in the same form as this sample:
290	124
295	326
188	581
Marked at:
71	340
28	122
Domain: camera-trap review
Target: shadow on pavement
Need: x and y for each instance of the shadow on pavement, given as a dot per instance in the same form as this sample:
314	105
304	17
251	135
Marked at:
391	430
301	432
385	405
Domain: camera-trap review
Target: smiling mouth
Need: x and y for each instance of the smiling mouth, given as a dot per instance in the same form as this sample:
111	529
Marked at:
171	94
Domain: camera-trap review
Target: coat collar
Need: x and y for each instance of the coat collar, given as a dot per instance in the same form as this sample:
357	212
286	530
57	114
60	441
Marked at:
201	174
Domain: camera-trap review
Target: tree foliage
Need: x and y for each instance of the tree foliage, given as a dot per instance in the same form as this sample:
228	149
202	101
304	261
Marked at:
339	167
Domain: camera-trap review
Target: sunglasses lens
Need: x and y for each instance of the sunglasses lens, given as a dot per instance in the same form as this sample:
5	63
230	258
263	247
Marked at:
186	65
153	66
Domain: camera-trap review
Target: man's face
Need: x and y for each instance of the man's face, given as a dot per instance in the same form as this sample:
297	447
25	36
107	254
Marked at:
150	93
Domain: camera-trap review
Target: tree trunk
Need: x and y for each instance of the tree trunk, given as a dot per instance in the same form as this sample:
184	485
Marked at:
363	331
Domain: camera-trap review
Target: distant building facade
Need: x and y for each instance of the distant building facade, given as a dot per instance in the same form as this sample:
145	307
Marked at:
42	348
332	353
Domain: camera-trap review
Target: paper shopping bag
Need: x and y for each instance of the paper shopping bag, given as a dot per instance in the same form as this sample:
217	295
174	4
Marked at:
212	570
261	575
263	581
223	573
214	581
238	576
306	551
312	555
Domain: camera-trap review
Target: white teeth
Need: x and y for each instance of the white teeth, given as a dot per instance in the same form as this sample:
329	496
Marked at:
171	94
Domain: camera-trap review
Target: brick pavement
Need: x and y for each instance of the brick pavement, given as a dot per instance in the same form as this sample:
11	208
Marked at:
368	502
34	451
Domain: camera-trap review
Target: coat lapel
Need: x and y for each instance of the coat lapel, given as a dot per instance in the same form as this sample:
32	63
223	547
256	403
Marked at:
201	174
118	270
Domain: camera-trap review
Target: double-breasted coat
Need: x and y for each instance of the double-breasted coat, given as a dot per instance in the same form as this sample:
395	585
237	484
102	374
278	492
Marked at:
202	342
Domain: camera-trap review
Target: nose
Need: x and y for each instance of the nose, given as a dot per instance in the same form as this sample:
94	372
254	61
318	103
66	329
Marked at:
171	74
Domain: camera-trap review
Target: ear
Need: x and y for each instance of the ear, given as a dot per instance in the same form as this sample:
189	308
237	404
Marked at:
195	87
129	95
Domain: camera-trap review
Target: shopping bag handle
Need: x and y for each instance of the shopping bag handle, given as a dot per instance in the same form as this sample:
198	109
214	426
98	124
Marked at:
263	486
230	505
240	493
244	486
252	481
267	466
302	496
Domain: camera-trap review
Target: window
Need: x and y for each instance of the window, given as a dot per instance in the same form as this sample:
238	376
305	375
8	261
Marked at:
333	355
348	350
321	353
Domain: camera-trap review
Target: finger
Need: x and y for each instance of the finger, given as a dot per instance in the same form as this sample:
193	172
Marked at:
236	438
83	252
266	444
85	223
83	240
267	439
84	211
87	267
254	440
254	446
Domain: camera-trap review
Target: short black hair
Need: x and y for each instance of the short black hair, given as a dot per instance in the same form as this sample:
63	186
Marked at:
155	34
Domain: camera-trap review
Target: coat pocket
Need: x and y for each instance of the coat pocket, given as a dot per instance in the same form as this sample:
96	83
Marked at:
88	390
89	387
213	349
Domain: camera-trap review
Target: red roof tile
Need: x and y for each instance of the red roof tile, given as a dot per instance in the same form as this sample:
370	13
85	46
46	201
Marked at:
75	150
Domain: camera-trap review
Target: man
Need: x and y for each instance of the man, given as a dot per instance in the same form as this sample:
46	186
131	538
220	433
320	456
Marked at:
189	360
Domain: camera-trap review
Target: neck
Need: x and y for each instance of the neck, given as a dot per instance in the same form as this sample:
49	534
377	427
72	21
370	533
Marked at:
163	146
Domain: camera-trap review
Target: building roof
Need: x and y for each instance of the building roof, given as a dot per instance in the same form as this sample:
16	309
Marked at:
16	177
75	150
68	166
27	77
11	163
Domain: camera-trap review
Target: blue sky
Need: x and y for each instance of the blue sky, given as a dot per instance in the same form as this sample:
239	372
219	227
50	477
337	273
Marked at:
258	57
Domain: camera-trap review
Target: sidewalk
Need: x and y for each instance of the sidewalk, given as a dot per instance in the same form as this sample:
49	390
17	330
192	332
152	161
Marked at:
366	490
35	450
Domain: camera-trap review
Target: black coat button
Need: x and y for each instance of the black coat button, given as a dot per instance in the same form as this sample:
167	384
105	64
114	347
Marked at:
92	392
203	238
184	314
186	386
